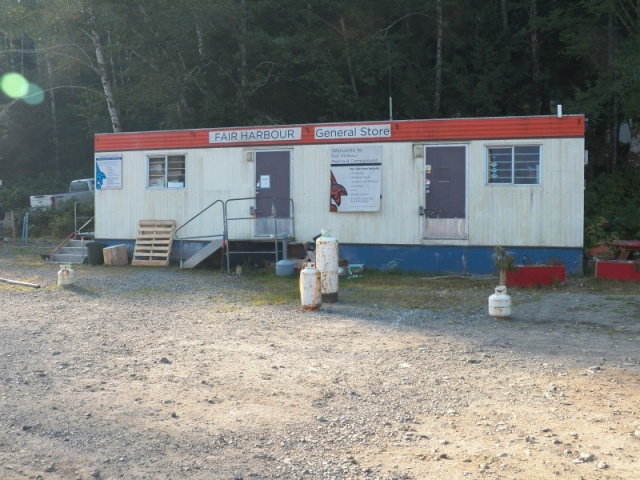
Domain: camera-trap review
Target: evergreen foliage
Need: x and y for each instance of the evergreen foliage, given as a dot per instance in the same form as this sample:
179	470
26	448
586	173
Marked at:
139	65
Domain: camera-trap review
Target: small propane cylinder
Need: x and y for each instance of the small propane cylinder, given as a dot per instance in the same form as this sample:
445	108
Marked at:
310	294
285	266
500	303
66	275
327	263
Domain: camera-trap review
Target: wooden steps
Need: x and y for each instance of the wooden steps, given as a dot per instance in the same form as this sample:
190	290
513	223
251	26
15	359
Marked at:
203	253
153	243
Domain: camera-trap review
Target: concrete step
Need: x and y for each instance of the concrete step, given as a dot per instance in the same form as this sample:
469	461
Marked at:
67	258
73	252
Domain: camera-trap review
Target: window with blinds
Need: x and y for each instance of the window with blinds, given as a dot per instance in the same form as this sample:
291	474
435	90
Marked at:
166	171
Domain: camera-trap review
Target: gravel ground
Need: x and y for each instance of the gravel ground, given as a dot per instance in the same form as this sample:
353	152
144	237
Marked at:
162	373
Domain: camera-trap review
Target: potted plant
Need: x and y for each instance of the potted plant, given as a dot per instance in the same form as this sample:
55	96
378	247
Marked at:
504	262
551	273
623	263
500	301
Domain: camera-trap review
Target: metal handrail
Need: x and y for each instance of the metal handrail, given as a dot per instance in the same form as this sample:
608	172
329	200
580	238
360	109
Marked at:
292	233
69	237
274	216
227	219
257	197
182	239
196	216
78	231
253	215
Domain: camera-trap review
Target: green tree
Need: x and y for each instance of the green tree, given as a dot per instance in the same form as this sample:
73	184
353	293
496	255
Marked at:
605	35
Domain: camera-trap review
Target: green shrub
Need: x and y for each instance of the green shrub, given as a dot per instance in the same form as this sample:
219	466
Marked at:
612	203
58	222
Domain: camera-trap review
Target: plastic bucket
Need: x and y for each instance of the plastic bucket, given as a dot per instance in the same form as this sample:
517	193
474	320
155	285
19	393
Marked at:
94	253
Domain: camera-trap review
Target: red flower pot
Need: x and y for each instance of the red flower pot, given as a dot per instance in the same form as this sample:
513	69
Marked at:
536	275
618	270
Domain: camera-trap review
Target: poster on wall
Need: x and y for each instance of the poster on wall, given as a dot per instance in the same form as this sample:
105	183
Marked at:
109	172
356	178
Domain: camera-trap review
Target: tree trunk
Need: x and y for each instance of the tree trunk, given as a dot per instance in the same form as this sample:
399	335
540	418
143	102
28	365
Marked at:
104	77
505	15
634	146
243	67
613	121
502	277
201	42
343	30
438	79
54	117
535	57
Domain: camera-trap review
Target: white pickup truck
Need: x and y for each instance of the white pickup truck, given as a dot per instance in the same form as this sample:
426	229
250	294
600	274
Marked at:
81	190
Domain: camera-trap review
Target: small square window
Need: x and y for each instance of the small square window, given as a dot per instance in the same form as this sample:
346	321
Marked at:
166	171
514	165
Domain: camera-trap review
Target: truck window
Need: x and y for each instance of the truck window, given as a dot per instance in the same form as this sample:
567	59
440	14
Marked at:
79	186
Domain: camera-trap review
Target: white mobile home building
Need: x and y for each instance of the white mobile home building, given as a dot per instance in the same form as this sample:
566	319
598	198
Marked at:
419	195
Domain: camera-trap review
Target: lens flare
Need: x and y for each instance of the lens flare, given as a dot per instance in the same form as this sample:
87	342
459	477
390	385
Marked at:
14	85
34	96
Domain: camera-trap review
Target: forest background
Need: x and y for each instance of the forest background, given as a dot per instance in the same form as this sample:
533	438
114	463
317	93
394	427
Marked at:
95	66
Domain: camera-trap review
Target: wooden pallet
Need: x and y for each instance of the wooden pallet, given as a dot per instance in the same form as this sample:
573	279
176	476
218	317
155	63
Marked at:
153	244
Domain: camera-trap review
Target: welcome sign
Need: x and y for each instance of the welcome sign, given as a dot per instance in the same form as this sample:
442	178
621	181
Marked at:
356	178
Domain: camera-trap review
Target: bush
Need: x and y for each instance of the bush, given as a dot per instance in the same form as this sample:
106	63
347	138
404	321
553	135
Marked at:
612	203
15	193
58	222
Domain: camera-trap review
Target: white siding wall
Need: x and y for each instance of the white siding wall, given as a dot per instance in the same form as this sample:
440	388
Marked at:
547	215
211	174
397	222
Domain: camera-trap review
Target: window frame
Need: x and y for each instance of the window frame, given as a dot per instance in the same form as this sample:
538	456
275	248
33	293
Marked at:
515	180
162	175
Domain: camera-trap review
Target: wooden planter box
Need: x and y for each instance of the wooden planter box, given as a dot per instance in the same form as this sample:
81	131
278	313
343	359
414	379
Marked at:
536	275
626	270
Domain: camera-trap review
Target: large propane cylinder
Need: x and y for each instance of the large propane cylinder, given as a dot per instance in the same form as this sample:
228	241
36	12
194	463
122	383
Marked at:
327	263
310	294
66	276
500	303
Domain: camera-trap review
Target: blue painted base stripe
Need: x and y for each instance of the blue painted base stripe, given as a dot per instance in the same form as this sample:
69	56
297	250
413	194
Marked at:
476	260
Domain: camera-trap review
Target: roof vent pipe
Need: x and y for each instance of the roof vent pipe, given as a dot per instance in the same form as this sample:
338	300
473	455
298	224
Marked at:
559	111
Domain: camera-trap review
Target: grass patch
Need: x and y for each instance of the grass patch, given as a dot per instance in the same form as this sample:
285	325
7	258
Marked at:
382	289
391	289
267	288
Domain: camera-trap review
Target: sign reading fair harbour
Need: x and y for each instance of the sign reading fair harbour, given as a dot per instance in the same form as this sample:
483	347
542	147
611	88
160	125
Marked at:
353	131
344	133
256	135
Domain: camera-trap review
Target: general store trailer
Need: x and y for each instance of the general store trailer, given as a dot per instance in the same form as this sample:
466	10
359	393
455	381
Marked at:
418	195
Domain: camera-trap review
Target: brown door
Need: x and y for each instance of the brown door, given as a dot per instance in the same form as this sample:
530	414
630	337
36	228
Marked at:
273	192
445	192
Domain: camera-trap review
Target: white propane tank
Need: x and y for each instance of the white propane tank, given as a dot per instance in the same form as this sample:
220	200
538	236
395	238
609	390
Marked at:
66	276
327	263
310	294
500	303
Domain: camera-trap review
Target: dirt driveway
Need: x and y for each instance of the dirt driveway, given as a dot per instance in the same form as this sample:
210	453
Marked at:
146	373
